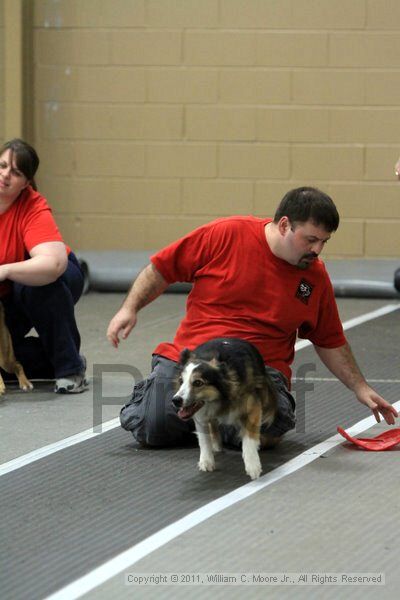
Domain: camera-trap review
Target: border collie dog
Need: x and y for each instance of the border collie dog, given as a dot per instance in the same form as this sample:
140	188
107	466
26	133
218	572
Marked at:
224	381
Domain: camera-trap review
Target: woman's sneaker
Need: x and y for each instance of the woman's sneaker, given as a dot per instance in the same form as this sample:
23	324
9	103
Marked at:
73	384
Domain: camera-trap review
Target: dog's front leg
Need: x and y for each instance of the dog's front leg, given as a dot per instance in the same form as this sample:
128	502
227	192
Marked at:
206	462
23	381
216	441
251	457
251	442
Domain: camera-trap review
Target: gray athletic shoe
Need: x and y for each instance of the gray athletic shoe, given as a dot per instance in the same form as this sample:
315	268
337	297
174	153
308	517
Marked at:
73	384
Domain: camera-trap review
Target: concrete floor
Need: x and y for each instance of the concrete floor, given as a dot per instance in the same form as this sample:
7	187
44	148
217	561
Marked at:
337	514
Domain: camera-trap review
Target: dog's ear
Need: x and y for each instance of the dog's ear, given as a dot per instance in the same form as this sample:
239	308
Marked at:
214	362
184	357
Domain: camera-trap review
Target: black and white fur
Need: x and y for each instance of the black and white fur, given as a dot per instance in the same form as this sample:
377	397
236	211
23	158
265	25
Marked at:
224	381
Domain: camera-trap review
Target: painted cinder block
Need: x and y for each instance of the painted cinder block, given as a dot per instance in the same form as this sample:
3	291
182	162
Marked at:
111	122
98	195
56	83
383	15
293	124
365	125
328	14
268	195
255	86
382	238
72	47
215	123
96	232
114	159
328	86
164	231
145	47
181	160
327	162
292	49
217	197
147	122
219	48
56	157
380	161
366	200
292	14
112	84
347	241
254	14
254	161
182	13
89	13
382	87
361	49
182	85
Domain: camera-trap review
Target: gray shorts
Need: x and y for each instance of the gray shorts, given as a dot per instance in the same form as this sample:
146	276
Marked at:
152	418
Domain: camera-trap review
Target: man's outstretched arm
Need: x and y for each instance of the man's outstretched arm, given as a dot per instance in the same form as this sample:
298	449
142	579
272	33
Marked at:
147	287
341	362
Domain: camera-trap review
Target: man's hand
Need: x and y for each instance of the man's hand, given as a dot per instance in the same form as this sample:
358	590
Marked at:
341	362
377	404
148	285
121	324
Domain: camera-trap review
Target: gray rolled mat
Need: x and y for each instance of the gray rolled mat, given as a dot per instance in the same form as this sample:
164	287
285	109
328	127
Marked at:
114	271
364	278
359	288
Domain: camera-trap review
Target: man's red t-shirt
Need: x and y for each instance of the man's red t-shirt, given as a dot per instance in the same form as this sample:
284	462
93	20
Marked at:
241	289
27	223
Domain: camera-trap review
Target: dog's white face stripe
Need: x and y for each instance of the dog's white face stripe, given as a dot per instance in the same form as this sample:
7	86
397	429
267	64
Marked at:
184	390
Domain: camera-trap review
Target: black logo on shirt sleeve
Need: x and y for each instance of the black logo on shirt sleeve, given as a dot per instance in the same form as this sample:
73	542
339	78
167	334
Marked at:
304	291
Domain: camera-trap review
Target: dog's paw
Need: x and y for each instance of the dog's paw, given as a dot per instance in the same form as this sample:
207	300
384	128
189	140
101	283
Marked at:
26	386
254	470
206	464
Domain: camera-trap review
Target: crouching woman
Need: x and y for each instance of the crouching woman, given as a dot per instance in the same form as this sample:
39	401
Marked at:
40	278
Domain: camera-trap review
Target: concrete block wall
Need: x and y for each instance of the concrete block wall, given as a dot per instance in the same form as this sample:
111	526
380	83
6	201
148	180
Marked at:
155	116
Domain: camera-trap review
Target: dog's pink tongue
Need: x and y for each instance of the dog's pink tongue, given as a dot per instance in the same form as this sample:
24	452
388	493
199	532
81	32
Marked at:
188	411
185	413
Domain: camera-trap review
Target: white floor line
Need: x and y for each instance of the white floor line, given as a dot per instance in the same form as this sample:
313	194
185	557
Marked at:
335	379
31	457
26	459
375	314
131	556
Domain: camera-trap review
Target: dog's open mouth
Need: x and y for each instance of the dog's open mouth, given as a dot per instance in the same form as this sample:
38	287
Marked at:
187	412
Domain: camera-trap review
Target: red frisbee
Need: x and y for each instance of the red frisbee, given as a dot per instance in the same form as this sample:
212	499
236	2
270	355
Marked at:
383	441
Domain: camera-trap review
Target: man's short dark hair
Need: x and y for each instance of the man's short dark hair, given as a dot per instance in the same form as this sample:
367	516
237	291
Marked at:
308	204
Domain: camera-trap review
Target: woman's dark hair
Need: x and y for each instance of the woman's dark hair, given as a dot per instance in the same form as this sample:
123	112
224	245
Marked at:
308	204
26	158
